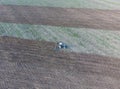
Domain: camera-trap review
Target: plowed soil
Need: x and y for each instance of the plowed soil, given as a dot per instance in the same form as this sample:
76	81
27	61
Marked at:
70	17
27	64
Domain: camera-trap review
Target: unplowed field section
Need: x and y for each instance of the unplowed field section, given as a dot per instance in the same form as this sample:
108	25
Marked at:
86	18
30	64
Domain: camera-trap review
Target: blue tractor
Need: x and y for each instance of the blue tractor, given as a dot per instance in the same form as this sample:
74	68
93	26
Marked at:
61	45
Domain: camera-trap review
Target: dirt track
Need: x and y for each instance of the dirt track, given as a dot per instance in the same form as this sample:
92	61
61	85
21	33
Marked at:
27	64
86	18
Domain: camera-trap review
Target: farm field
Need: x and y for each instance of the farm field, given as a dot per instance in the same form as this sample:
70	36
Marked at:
56	16
93	35
30	29
93	4
28	64
82	40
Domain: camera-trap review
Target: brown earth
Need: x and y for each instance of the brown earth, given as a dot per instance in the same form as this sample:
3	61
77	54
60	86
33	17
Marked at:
26	64
84	18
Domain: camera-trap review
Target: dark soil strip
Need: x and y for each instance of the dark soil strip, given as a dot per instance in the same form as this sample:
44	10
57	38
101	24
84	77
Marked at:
31	64
84	18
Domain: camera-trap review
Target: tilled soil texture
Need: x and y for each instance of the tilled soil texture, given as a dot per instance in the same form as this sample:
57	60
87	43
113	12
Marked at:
27	64
70	17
